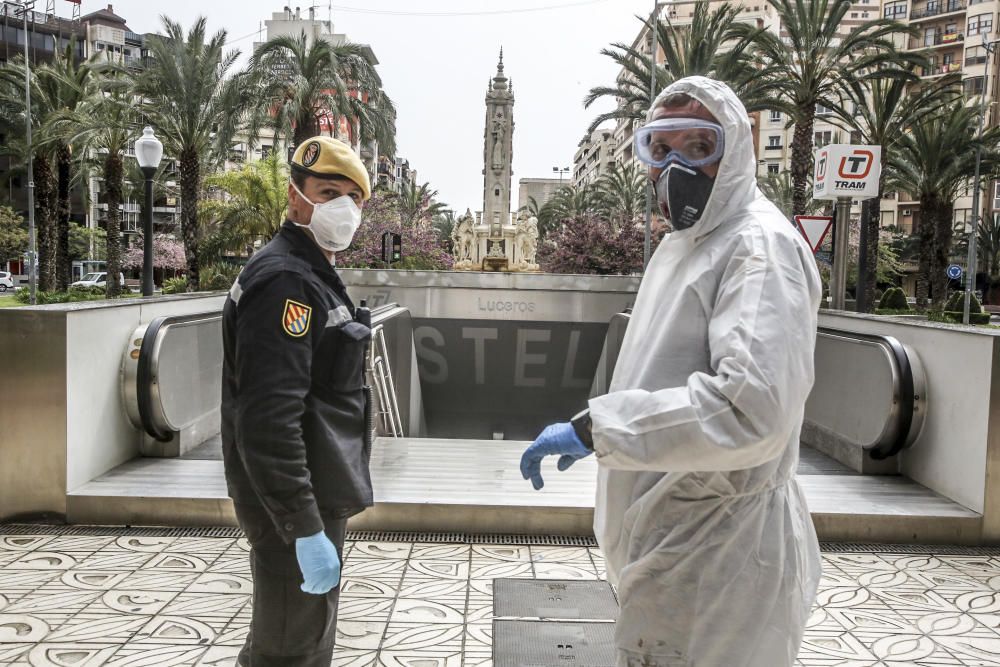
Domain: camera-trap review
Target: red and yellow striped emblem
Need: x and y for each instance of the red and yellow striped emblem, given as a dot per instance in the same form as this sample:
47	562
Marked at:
296	318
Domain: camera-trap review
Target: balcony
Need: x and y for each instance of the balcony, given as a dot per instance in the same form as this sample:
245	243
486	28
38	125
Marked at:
773	147
133	38
940	70
935	41
935	9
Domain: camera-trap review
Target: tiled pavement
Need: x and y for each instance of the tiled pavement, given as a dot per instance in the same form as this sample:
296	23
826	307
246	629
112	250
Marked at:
86	600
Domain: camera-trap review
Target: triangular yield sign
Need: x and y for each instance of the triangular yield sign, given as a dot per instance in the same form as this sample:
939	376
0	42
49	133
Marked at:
814	228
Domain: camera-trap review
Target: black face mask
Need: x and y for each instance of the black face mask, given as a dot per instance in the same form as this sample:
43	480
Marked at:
685	191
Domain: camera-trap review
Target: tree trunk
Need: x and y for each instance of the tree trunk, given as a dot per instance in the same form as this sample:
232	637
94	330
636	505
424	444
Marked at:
925	230
802	159
44	223
306	127
871	223
190	168
944	231
113	182
63	264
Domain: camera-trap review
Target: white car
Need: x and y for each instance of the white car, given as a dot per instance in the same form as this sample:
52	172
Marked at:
6	281
97	279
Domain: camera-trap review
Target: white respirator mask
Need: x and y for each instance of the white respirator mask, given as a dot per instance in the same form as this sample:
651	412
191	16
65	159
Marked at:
334	222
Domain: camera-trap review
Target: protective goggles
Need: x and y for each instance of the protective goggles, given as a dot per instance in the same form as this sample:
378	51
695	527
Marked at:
690	141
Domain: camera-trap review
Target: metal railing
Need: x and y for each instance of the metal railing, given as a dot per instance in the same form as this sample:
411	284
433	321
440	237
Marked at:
937	9
380	372
939	39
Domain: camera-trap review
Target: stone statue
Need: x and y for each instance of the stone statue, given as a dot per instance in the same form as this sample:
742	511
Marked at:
464	238
499	132
496	250
526	241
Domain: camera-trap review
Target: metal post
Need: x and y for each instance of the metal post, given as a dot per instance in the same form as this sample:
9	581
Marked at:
838	277
971	262
647	243
32	248
147	233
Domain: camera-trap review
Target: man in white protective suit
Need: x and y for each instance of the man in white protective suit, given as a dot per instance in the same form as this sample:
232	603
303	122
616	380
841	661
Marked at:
705	530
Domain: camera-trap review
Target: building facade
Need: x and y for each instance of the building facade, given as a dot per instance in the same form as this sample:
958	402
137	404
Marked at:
539	189
594	157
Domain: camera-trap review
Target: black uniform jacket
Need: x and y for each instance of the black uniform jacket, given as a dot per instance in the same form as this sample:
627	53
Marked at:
292	394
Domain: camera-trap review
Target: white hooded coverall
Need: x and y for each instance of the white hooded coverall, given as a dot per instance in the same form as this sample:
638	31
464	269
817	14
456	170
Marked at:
705	530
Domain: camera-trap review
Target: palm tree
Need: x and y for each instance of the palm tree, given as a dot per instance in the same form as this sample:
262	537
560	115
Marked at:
67	83
417	204
934	161
620	194
444	225
706	46
989	244
813	62
315	83
253	207
780	190
104	125
878	111
197	108
43	105
567	203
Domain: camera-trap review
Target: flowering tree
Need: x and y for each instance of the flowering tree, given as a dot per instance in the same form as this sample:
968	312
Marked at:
421	247
586	243
168	253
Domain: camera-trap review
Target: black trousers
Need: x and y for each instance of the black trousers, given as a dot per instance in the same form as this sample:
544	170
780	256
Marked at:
288	628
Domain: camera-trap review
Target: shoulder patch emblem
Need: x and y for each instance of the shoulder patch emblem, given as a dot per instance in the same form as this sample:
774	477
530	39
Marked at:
311	154
295	320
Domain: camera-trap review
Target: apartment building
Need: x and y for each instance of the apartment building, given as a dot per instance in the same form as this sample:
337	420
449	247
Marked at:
594	157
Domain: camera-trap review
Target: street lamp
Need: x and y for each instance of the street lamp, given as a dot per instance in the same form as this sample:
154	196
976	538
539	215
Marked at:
149	152
560	171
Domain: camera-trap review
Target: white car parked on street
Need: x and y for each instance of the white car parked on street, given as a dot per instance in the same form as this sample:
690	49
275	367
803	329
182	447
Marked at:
6	281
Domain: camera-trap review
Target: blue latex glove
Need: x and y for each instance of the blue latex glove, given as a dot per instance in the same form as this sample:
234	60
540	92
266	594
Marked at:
319	562
555	439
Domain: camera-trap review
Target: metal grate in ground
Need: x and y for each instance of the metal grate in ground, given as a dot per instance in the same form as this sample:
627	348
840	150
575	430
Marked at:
545	643
554	599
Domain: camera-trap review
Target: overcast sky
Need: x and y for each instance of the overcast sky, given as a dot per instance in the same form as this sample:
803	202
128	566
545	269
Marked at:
436	68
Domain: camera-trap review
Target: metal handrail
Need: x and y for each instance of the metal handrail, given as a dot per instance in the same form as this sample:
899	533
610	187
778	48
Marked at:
381	373
903	426
379	370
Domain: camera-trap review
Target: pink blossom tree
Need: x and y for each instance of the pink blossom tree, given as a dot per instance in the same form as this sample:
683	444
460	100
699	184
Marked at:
422	248
168	254
589	244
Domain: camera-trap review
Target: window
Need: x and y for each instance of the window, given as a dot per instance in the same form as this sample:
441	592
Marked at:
981	24
896	10
975	55
854	15
822	110
774	142
973	85
773	168
265	151
821	139
775	116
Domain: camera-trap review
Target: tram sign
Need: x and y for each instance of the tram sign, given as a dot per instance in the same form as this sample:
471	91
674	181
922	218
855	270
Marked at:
847	170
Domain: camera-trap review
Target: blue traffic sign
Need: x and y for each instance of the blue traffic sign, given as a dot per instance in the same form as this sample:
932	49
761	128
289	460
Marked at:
955	271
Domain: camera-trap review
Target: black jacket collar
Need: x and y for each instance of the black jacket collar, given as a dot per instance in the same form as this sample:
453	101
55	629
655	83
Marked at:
304	247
